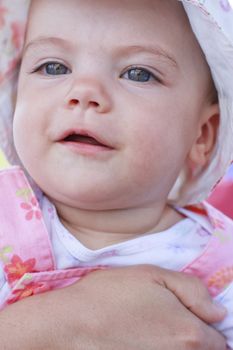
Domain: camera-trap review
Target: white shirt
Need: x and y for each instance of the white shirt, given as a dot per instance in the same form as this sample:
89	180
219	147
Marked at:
172	249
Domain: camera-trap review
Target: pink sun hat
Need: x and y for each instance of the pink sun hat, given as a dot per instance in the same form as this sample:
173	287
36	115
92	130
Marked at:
212	24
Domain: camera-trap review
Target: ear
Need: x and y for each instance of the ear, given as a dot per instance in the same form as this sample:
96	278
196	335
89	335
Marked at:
202	148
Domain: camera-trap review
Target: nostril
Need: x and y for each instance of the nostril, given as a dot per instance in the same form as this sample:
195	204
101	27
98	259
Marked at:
93	104
85	104
73	102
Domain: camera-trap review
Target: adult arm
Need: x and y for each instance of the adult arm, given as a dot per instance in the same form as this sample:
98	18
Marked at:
136	308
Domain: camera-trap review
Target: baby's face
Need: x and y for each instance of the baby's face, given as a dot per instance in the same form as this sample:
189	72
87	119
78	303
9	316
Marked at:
110	98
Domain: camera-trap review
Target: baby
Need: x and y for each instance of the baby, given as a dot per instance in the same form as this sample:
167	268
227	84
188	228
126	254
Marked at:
119	124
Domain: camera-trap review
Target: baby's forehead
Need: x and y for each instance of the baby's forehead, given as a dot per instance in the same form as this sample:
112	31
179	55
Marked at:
130	8
141	20
158	23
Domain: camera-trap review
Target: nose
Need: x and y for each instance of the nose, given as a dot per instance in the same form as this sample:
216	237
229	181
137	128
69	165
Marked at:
89	94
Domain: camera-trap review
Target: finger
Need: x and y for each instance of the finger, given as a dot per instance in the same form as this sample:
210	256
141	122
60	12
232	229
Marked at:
192	293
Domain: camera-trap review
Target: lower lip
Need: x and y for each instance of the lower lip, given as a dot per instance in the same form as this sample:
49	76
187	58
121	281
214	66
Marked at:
86	148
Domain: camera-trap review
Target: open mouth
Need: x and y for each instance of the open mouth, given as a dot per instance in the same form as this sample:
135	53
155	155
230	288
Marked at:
85	139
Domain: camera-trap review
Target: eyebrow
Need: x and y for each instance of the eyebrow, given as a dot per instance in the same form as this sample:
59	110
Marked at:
154	50
127	49
40	41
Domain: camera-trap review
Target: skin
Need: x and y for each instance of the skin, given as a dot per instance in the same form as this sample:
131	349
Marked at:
118	309
108	196
118	186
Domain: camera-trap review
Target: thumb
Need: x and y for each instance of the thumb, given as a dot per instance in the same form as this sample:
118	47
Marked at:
192	294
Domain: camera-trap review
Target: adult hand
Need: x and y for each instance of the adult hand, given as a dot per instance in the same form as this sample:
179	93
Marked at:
138	308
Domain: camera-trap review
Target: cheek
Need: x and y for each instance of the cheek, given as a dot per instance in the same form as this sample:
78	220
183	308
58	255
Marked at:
25	127
21	127
151	137
157	149
146	154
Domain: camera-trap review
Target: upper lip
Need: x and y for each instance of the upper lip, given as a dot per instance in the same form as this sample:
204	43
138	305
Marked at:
84	132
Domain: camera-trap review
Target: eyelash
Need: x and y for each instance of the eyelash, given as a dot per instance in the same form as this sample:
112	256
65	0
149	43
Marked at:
54	63
137	71
140	71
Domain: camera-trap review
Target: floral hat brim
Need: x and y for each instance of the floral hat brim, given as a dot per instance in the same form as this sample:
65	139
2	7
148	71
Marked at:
212	23
13	19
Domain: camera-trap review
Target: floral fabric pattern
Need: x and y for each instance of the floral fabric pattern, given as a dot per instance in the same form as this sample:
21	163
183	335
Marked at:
32	209
17	268
25	248
12	30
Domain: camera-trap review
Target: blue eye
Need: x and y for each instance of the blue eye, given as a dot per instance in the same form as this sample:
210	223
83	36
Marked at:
138	74
53	68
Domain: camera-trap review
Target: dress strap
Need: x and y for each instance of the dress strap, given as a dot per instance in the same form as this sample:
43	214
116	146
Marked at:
25	248
215	265
24	240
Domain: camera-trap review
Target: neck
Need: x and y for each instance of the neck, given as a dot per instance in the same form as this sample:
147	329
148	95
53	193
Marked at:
98	229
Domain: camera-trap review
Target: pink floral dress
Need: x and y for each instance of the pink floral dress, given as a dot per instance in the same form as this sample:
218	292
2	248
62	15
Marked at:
25	248
27	257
